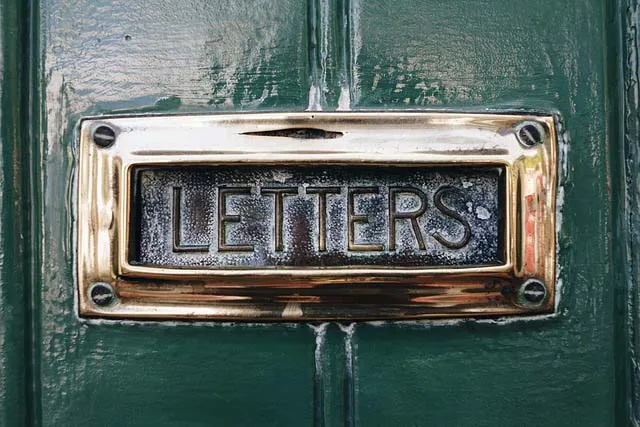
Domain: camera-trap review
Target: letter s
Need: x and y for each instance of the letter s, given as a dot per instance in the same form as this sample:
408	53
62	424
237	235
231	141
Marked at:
437	200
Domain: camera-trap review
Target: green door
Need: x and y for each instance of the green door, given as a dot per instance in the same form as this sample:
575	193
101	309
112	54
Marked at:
63	60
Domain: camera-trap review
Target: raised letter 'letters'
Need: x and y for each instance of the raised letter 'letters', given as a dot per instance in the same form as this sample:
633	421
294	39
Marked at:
437	200
178	246
413	216
224	218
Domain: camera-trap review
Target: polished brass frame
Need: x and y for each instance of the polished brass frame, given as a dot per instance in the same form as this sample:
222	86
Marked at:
377	138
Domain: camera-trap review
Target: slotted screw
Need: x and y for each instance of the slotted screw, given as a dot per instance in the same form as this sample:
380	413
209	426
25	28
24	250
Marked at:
530	134
533	292
104	136
102	294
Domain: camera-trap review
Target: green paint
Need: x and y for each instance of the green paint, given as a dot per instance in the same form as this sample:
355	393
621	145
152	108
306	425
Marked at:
624	159
14	325
484	54
92	57
330	385
149	375
234	56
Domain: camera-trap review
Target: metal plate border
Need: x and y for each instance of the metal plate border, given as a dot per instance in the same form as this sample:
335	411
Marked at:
376	138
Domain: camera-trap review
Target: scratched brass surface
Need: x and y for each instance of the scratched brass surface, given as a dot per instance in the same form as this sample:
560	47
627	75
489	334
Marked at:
312	290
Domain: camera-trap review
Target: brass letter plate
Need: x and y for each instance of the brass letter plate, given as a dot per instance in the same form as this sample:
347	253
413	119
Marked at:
310	216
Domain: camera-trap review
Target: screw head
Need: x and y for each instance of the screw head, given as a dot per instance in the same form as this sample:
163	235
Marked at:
102	294
533	292
104	136
530	134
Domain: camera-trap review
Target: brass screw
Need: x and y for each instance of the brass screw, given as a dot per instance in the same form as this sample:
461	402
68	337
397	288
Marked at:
102	294
104	136
533	292
530	134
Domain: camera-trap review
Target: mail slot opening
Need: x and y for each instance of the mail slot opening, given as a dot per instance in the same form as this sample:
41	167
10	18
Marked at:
278	217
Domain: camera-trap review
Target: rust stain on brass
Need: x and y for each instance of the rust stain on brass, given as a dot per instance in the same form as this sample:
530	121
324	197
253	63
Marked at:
346	215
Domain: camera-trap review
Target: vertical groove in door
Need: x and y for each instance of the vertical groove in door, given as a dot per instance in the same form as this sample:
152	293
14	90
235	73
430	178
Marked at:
14	335
624	126
333	47
348	50
30	122
318	18
319	369
330	376
350	378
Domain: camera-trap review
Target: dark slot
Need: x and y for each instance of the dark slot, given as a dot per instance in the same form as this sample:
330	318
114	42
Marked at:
298	133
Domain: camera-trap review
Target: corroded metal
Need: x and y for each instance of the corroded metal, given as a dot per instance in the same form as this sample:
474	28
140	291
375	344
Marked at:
355	216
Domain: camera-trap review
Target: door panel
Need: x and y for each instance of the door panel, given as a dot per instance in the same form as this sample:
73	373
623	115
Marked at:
544	55
14	326
104	375
99	57
150	56
481	375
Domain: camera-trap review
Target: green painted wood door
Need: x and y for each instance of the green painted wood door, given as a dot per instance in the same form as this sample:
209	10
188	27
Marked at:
66	59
